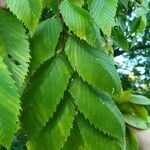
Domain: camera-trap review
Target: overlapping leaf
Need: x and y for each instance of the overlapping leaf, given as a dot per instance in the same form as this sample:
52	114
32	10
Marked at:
135	115
103	13
101	114
14	46
75	140
135	110
78	20
124	96
135	121
44	41
46	117
28	11
119	39
132	143
77	2
96	140
43	94
124	3
9	106
57	129
93	66
139	99
45	2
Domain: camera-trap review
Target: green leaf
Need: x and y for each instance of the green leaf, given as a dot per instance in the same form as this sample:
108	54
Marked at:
14	47
44	41
121	21
103	13
94	139
119	39
28	11
43	94
141	112
75	141
46	2
124	97
135	110
138	25
9	106
97	109
143	24
78	20
135	121
134	25
134	115
57	130
139	99
96	67
132	143
124	3
54	6
148	122
143	9
78	2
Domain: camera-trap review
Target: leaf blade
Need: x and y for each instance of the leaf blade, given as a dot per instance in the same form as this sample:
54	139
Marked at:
86	99
14	47
9	106
41	97
95	139
27	11
132	143
139	99
57	130
135	121
103	13
44	41
79	25
75	140
103	75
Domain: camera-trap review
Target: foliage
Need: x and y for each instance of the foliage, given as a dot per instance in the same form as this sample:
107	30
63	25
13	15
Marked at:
58	81
135	69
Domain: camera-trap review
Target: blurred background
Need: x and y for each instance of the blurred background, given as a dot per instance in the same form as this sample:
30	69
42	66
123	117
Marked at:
132	45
